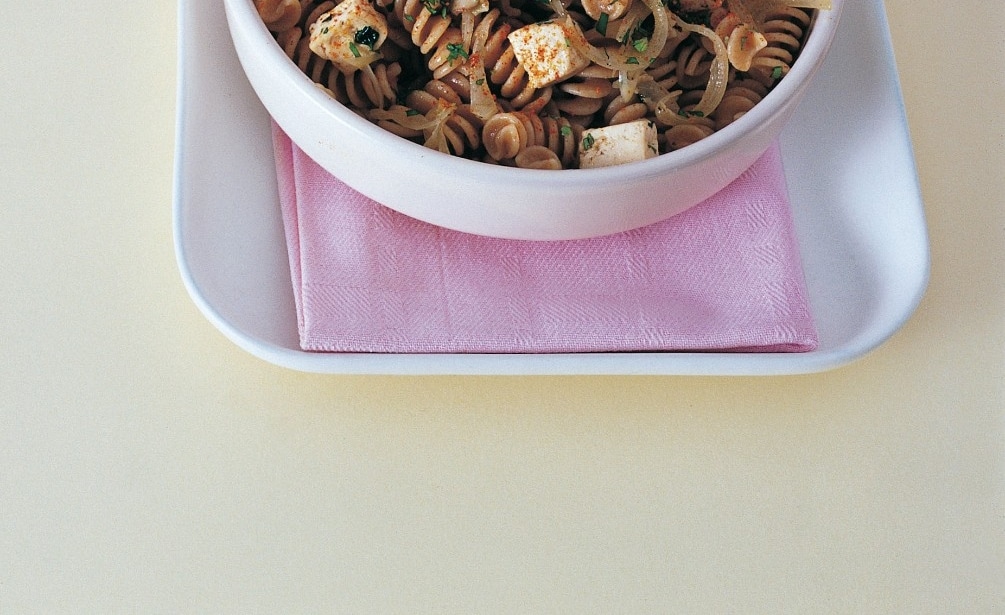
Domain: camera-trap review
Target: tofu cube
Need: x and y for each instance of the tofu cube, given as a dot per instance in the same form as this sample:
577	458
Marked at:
618	144
349	35
548	51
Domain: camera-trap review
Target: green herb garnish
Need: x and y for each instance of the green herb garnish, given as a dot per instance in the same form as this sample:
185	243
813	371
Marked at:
436	6
367	36
456	51
602	24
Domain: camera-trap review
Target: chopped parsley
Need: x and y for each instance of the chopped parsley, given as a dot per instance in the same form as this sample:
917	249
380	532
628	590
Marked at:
367	36
354	49
588	141
565	131
412	112
602	24
640	44
640	31
436	7
456	51
776	72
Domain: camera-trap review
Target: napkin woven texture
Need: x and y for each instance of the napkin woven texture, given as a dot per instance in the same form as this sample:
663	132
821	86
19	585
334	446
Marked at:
723	276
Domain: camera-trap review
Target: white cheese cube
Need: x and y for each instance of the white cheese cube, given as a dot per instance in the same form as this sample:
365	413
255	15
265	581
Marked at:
548	51
349	34
618	144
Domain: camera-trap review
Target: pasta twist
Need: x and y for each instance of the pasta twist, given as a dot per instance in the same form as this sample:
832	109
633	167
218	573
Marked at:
279	15
561	137
523	139
621	111
693	130
739	98
506	134
449	53
311	10
692	61
461	130
784	29
538	157
585	94
289	26
454	88
311	64
366	89
425	20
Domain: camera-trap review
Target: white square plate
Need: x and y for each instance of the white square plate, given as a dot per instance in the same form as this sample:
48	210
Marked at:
848	159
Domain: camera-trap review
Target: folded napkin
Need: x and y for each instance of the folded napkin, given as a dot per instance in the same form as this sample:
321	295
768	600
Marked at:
723	276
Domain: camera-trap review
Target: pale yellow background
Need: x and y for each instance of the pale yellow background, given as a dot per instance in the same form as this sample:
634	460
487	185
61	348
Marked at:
147	465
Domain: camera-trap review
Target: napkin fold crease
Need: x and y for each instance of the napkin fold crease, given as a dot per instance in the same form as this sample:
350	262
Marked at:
723	276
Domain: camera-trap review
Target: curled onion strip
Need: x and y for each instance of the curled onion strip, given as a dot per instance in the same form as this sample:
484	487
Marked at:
664	103
431	124
636	14
467	29
483	101
718	72
661	102
630	65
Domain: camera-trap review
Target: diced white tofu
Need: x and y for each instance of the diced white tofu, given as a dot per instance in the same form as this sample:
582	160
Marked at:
618	144
349	34
548	51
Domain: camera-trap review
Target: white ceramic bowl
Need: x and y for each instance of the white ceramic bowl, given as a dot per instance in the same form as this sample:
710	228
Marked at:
507	202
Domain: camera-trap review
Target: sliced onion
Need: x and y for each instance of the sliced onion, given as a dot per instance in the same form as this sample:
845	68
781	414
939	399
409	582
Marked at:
718	72
483	101
629	65
558	8
660	101
406	117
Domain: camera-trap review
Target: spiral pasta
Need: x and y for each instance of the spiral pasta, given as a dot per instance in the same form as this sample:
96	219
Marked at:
279	15
528	83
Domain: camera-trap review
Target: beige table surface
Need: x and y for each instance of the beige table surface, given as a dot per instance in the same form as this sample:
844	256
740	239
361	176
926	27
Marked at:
149	465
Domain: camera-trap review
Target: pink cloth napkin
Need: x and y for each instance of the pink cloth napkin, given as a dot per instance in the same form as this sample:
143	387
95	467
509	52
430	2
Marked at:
723	276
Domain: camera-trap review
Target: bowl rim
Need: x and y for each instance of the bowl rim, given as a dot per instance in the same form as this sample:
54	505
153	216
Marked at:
784	94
